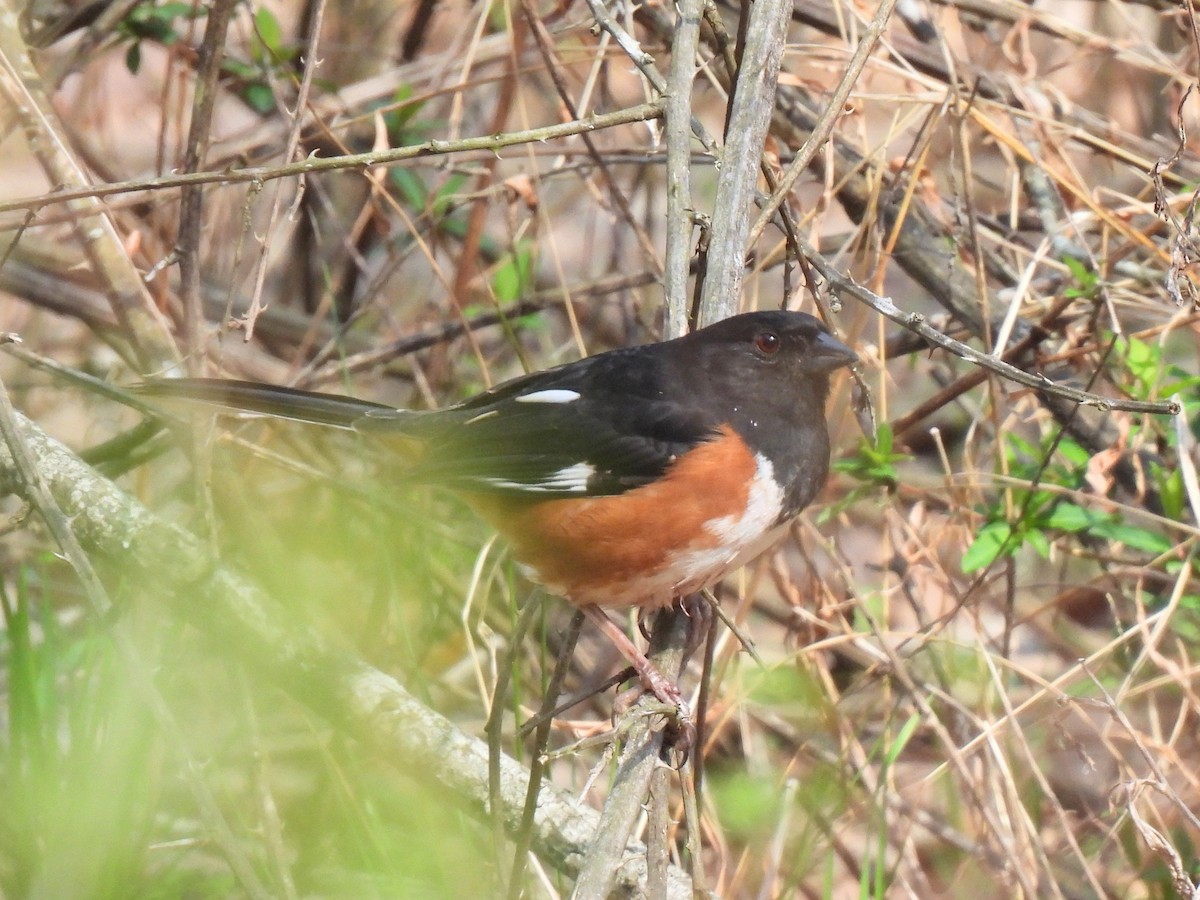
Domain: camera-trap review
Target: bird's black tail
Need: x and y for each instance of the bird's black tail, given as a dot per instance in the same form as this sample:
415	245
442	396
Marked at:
267	400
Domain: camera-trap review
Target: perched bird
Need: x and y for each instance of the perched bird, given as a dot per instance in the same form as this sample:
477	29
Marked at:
630	478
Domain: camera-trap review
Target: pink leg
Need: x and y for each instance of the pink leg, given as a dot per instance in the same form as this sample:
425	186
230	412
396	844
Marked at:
655	681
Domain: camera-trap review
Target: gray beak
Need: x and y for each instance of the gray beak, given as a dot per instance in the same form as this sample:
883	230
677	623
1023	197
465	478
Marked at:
829	354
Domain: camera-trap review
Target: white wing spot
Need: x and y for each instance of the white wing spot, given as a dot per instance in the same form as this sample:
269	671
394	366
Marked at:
572	479
554	395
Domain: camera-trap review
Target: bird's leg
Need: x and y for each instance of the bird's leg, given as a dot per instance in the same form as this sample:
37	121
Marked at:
654	681
698	609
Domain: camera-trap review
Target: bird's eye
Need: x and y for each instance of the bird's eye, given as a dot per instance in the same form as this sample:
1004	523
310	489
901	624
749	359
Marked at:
767	343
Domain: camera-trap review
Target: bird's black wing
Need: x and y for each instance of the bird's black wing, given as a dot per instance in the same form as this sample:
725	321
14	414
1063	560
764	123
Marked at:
599	426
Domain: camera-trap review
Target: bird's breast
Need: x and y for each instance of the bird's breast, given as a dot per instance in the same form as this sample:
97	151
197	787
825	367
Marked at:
715	508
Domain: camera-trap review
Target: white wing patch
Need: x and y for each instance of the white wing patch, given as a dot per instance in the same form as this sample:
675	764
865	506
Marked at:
553	395
573	480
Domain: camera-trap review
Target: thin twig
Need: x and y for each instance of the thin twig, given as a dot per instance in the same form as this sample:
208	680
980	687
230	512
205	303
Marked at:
311	165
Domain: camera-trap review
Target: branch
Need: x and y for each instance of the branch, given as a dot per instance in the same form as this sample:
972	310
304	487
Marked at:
640	760
679	167
312	165
749	116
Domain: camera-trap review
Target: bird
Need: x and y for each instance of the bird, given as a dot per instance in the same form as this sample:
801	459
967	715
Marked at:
631	478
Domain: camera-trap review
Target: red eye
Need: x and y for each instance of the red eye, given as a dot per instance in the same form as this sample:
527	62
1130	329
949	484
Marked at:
767	343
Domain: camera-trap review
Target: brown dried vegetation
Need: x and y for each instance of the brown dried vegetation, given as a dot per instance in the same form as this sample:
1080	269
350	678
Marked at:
976	669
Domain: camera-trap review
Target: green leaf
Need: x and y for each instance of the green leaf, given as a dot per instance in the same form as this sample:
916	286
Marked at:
268	30
157	22
993	538
1183	384
445	195
1171	491
1143	361
402	112
409	186
239	69
133	57
512	277
1086	280
1023	455
259	97
1069	517
1073	453
1036	538
884	439
874	463
1133	537
897	744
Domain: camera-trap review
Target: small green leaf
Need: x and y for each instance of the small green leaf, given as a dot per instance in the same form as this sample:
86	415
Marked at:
1021	449
397	118
993	538
897	744
409	186
512	277
1143	362
155	22
239	69
259	97
133	57
884	439
1073	452
445	195
1086	280
1069	517
1037	539
267	27
874	463
1133	537
1171	491
1184	383
180	11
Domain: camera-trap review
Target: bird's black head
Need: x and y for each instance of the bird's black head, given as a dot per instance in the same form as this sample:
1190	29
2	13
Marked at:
789	344
767	373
